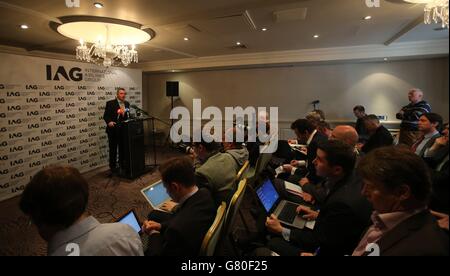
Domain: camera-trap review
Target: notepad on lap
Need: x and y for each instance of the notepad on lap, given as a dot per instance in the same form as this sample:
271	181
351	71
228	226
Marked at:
292	188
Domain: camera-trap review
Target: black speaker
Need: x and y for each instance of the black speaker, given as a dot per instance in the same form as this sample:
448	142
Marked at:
172	89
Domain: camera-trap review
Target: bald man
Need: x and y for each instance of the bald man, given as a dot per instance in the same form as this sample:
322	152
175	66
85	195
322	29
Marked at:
345	134
410	115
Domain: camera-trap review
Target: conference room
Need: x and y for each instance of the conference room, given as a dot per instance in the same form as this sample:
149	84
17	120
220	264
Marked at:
232	128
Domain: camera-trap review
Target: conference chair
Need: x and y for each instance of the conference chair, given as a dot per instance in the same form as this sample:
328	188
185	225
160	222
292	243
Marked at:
213	235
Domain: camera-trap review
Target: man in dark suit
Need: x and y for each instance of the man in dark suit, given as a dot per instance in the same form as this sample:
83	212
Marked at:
308	135
379	135
343	216
116	111
397	183
182	233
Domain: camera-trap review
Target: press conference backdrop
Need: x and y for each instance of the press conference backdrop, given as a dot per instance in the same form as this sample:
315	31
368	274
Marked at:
52	112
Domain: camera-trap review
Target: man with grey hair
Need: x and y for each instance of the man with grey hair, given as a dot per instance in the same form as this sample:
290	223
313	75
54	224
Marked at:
410	115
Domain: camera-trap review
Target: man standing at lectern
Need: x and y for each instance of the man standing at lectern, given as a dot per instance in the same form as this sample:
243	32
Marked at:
116	111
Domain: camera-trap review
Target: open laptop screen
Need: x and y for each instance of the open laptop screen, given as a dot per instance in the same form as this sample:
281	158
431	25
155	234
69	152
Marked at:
267	195
156	194
131	220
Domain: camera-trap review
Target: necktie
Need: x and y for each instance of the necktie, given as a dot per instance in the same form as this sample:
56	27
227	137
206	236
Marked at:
417	143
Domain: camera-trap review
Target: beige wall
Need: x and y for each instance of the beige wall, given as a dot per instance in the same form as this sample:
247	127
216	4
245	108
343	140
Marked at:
381	87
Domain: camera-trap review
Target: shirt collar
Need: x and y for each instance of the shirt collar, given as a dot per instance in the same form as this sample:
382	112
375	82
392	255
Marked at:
430	135
311	137
73	232
186	197
388	221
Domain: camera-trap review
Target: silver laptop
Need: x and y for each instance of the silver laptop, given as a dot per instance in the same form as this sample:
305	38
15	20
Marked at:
284	210
156	195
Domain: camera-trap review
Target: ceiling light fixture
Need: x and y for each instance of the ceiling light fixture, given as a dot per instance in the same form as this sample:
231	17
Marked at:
98	5
264	29
368	17
24	27
385	59
186	39
238	43
435	11
316	36
104	41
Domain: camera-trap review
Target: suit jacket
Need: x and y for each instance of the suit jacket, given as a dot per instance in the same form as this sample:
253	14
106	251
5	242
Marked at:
428	145
343	217
382	137
419	235
111	115
183	233
312	153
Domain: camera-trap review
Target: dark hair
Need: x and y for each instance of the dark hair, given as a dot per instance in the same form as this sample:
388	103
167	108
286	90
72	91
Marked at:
395	166
303	125
372	117
55	196
324	125
179	170
120	89
339	154
435	118
359	108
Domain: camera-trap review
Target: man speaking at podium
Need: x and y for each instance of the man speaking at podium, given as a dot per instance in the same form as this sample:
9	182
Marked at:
116	111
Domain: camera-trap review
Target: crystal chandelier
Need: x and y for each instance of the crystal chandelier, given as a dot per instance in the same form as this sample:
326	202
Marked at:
104	41
106	54
435	11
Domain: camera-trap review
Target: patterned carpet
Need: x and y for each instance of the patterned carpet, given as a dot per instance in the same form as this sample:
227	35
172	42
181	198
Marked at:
109	199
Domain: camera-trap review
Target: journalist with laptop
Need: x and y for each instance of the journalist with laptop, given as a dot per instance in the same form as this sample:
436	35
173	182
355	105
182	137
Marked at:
343	216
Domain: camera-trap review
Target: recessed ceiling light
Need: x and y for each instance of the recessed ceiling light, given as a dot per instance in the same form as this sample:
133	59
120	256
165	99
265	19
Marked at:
238	43
385	59
24	27
316	36
98	5
368	17
186	39
264	29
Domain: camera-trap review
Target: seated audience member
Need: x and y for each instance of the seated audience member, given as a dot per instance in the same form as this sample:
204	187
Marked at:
437	159
429	126
360	113
345	134
324	128
56	201
307	135
315	117
379	135
254	146
218	170
396	182
342	217
182	233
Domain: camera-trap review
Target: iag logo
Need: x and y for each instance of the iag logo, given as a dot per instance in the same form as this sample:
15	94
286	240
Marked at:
373	3
74	74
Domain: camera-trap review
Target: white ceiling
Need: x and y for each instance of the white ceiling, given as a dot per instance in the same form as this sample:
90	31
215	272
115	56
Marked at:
214	26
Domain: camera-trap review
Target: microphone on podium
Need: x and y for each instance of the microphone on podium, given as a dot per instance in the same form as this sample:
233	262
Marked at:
119	112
